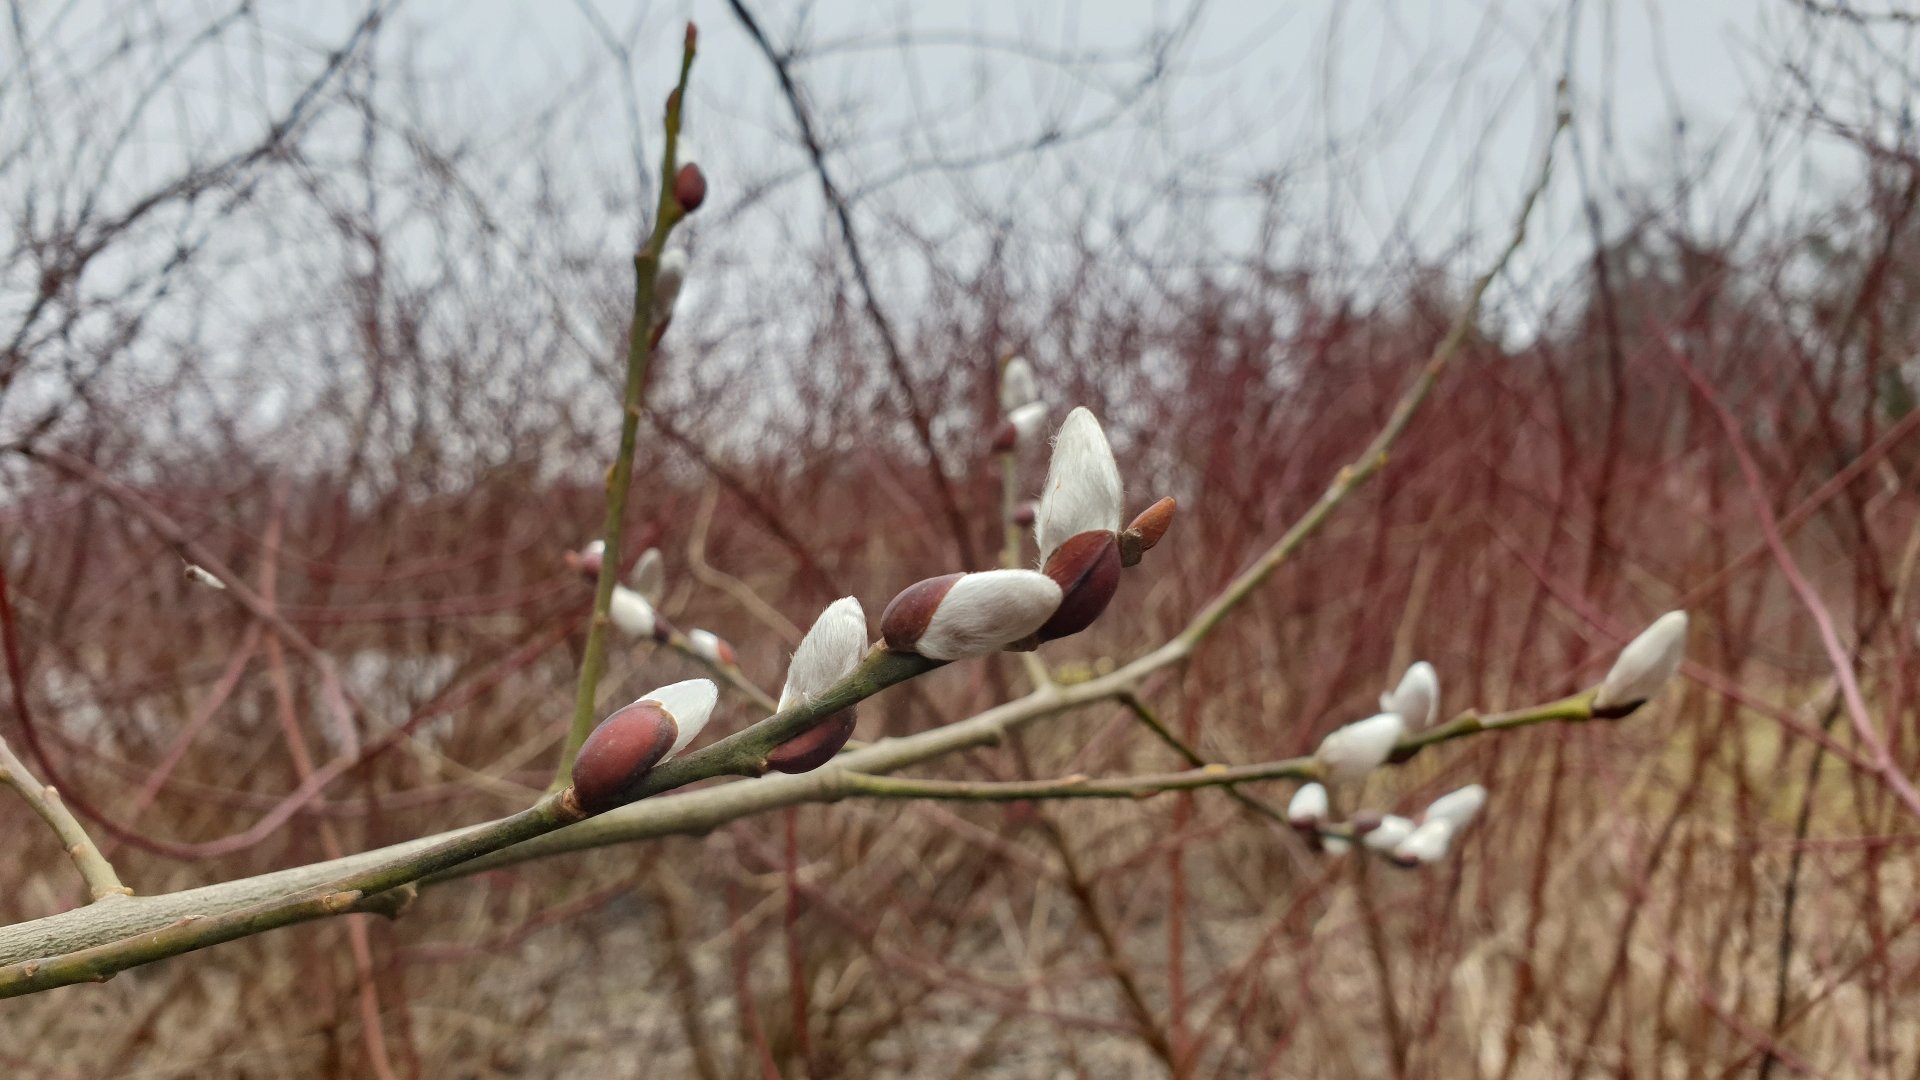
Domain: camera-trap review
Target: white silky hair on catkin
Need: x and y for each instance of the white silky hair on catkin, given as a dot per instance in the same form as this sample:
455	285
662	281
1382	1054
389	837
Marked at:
1353	751
1389	833
690	703
1457	808
831	650
650	575
1018	388
1308	806
1417	698
984	611
667	281
705	644
1027	419
1426	844
1647	662
631	612
1083	485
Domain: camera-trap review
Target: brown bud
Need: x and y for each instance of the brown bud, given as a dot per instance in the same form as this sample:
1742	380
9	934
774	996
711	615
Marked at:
908	614
1087	569
1006	438
1023	514
1365	821
814	747
587	566
1146	530
690	187
619	753
693	36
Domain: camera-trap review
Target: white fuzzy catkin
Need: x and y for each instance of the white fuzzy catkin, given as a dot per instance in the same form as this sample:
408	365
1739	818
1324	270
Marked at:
1018	388
200	575
831	650
631	612
667	281
1026	421
1335	845
1426	844
984	611
1353	751
1392	830
690	704
1646	663
649	575
1308	807
1083	485
1417	698
1457	808
706	645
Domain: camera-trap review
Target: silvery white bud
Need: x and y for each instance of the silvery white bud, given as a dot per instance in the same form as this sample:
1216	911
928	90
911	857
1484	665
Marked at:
1426	844
1308	807
650	576
1389	833
1645	664
831	650
200	575
710	647
961	615
1417	698
1026	421
1083	485
1457	808
667	281
1335	845
631	612
690	703
1018	388
1353	751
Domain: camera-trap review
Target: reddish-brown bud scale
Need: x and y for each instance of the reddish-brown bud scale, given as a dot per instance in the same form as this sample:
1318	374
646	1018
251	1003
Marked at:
908	614
693	37
620	752
1087	569
1006	438
1153	522
815	747
1024	513
690	187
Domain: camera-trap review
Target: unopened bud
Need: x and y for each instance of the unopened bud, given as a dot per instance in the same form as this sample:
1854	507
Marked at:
623	748
1417	698
1087	569
200	575
1018	388
632	614
1146	530
667	281
1353	751
1023	514
711	647
1457	808
1644	666
690	187
1006	438
1426	844
814	747
1083	485
1389	833
960	615
829	652
1308	807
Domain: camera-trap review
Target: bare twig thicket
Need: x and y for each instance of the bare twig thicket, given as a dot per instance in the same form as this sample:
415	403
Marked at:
1122	801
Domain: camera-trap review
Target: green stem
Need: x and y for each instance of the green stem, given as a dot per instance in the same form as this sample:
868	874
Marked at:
640	342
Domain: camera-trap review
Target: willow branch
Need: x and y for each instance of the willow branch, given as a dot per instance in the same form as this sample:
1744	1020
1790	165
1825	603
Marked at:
640	342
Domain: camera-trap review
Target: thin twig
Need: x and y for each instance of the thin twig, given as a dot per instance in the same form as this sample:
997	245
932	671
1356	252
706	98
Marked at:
45	800
640	341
